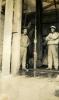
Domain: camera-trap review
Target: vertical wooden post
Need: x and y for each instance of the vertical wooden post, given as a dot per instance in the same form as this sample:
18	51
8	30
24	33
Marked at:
0	34
0	7
15	61
0	12
7	37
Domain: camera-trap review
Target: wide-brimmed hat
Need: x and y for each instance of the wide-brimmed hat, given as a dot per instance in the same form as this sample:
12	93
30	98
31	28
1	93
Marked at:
53	27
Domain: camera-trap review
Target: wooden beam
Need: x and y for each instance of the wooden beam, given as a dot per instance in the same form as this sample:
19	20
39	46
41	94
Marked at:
7	37
15	61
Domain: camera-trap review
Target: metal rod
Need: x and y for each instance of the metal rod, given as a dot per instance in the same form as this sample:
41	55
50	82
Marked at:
35	51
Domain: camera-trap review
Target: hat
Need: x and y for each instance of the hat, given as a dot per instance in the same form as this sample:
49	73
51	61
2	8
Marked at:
53	27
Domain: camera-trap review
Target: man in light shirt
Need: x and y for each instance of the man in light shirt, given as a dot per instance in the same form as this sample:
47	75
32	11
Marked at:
23	48
52	42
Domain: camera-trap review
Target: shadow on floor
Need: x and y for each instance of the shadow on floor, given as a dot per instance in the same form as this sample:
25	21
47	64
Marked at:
57	93
39	73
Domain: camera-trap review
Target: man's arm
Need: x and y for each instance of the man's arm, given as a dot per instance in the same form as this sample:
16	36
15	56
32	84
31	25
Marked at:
48	37
55	36
28	41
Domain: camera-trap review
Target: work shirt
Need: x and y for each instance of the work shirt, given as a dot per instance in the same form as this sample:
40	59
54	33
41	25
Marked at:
24	41
53	38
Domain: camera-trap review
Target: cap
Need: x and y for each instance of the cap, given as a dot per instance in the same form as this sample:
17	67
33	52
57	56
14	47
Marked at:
53	27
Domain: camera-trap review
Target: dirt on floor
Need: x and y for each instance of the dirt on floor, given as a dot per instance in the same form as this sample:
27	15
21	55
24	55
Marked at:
29	88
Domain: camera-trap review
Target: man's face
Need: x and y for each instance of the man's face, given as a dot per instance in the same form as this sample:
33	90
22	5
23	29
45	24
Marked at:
25	31
52	30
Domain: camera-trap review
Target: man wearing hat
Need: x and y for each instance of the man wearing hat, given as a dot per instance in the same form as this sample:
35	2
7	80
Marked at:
23	48
52	42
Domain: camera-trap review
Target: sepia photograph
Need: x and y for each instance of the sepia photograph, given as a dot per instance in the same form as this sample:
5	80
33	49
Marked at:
29	49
